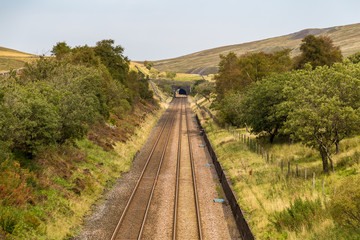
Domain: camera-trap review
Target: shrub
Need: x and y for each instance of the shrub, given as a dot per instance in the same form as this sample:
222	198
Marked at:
9	219
301	213
345	204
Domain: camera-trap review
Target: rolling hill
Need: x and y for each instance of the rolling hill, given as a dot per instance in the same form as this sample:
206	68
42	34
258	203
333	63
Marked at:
206	62
12	59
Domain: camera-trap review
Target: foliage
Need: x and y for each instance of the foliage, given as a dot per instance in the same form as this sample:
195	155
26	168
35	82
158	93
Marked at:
205	89
171	75
355	58
325	105
148	64
259	105
345	204
318	51
85	55
60	50
229	110
236	73
56	107
34	122
114	60
301	213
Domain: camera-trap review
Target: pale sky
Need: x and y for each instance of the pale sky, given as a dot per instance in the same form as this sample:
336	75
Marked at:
159	29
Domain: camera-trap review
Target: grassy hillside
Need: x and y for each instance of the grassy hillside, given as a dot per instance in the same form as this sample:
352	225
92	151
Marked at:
12	59
347	37
157	74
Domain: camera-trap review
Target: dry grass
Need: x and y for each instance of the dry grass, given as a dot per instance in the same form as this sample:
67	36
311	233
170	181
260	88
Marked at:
6	52
182	77
347	37
12	59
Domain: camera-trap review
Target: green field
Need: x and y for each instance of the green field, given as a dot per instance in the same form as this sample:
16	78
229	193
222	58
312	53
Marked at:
347	37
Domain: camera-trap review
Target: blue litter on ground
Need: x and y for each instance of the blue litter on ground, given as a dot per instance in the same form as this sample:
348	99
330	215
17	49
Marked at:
219	200
201	145
207	165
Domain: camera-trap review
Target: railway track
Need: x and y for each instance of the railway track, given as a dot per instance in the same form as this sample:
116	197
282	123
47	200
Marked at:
186	213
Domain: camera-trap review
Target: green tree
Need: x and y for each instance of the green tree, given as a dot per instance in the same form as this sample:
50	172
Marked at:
85	55
260	105
230	110
229	75
32	122
148	64
324	107
61	50
318	51
171	75
205	89
112	57
237	73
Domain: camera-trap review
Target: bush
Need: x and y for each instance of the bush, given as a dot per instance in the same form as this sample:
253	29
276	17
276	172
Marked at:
9	219
345	205
34	122
301	213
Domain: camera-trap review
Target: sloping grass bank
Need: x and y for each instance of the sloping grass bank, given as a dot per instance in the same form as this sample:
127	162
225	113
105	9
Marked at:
279	205
47	197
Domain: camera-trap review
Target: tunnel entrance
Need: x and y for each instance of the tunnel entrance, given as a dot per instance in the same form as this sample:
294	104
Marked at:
182	91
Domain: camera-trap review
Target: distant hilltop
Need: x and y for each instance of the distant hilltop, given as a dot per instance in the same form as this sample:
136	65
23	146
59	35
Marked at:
13	59
206	62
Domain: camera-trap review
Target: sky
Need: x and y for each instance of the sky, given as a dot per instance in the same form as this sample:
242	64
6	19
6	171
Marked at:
161	29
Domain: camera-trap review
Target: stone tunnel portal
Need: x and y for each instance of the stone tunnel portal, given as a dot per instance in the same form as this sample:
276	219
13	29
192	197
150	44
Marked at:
181	89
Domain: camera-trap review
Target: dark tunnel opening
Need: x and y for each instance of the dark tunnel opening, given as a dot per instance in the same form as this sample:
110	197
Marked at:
182	91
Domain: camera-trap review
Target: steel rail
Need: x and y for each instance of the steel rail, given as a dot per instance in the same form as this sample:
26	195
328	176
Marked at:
157	176
194	177
177	180
116	230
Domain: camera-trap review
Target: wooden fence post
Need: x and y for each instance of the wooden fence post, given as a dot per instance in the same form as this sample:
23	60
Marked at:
314	180
288	168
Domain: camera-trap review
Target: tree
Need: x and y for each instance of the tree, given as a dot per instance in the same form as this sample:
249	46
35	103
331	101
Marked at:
85	55
148	64
318	51
260	105
237	73
60	50
230	109
228	76
325	107
112	57
205	89
171	75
